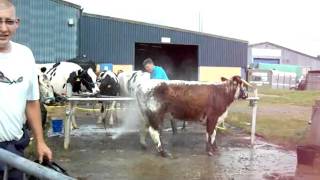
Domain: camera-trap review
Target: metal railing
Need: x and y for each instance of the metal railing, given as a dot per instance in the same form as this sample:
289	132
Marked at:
28	167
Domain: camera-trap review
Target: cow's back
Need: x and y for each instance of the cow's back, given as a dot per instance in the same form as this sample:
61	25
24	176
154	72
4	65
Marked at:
59	75
184	101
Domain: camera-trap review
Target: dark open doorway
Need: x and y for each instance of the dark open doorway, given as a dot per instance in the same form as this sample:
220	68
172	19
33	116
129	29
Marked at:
179	61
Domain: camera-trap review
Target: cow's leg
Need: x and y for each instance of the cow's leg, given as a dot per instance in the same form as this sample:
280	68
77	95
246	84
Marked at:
102	109
155	132
111	112
156	137
143	134
174	126
144	124
184	126
107	114
211	135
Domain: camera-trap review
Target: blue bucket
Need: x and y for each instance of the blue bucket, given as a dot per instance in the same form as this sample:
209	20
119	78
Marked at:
57	125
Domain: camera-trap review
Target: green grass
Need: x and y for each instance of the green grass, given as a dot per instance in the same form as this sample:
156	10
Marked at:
282	130
281	126
290	97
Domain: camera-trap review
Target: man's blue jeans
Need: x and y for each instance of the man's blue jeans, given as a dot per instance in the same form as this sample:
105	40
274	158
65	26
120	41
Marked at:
16	147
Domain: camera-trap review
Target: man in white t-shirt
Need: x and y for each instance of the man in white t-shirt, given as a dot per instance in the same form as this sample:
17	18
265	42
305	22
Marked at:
19	92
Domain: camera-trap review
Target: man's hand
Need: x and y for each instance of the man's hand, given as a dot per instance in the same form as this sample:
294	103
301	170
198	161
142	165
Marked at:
43	151
34	120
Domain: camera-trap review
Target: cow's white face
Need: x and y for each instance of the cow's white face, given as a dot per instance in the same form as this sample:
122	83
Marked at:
93	77
108	83
86	78
46	89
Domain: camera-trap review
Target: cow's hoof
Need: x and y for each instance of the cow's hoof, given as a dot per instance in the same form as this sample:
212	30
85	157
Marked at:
210	153
175	132
166	154
211	149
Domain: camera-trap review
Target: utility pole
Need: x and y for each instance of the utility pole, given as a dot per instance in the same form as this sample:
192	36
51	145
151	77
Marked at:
200	23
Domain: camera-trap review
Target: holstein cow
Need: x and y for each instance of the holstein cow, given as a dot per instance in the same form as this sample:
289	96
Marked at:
130	81
108	84
61	73
46	89
46	96
189	102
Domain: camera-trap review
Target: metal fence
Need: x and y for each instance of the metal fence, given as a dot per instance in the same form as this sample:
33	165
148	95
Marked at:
28	167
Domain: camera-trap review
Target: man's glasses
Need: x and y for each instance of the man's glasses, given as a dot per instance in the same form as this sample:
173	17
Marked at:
4	79
9	22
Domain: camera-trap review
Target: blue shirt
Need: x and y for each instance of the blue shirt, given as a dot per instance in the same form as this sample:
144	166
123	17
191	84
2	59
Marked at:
159	73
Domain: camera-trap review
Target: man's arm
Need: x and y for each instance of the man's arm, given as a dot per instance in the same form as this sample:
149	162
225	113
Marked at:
34	119
164	74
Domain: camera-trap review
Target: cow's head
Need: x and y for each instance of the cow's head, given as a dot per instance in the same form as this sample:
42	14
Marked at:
108	83
83	78
89	80
46	89
238	86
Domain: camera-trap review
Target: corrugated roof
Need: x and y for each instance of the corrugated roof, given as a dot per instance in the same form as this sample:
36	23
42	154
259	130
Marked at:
68	4
282	47
162	27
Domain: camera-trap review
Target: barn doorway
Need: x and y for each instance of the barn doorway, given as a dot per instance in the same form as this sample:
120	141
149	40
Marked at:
179	61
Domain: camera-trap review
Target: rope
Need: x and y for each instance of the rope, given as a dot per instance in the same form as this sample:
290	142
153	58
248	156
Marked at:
86	109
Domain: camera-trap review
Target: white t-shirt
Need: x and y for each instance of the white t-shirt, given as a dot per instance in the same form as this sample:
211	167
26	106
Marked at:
16	65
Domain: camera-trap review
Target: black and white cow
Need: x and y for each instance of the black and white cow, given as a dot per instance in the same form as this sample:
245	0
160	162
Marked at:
108	84
59	74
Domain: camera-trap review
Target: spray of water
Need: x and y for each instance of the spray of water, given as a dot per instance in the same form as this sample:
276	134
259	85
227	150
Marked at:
130	120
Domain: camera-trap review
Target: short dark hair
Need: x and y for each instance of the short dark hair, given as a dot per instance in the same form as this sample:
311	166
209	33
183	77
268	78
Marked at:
147	61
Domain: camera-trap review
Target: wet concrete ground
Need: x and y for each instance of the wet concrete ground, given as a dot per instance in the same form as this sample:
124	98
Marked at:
96	155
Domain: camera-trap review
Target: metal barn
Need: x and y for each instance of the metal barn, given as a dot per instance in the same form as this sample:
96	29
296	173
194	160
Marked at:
184	54
49	27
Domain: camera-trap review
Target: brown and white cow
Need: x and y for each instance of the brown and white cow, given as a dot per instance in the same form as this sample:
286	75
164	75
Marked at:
189	102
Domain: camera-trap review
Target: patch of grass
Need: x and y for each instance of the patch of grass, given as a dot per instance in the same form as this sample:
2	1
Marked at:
292	97
281	130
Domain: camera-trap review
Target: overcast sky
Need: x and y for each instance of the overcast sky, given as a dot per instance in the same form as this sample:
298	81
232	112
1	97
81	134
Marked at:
292	23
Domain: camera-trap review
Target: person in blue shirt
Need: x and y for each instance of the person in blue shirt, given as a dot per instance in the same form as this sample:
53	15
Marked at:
156	72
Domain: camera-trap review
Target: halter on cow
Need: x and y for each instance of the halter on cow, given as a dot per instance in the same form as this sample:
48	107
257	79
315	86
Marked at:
189	102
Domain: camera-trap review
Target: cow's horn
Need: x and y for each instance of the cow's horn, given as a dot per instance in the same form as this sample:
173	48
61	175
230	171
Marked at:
246	83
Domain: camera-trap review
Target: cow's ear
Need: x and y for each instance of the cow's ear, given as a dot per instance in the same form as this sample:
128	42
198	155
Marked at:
79	72
43	69
224	79
237	79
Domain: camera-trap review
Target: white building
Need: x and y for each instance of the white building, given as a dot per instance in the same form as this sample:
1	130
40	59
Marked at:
267	52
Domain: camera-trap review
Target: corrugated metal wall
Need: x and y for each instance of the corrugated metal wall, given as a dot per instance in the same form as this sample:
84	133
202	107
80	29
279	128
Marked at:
110	40
44	28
